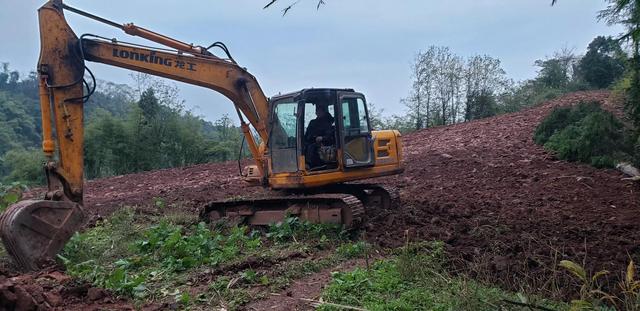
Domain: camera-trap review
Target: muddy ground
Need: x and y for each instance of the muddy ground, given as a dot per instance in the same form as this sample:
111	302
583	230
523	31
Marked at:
507	210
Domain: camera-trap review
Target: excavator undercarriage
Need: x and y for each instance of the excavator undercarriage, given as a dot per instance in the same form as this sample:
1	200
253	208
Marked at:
344	204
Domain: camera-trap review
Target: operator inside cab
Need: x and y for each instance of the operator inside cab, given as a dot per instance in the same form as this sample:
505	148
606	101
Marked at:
319	139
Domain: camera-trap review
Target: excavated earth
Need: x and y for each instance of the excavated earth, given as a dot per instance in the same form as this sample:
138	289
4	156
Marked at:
507	210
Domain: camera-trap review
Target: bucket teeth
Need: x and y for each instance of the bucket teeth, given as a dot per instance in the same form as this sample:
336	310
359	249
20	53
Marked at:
33	231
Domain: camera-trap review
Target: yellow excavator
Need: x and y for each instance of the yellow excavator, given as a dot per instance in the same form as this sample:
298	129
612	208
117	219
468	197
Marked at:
306	145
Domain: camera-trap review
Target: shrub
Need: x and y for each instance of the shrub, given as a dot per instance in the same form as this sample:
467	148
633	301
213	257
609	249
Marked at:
561	117
585	133
24	165
10	193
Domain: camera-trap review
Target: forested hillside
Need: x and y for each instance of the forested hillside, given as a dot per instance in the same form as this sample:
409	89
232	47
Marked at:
128	129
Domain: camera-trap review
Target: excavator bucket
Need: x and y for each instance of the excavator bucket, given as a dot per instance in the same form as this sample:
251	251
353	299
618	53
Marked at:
34	231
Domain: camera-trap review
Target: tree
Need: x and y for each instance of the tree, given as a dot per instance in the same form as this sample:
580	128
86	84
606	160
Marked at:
437	84
446	86
480	104
627	14
557	72
484	77
421	95
603	63
375	116
23	165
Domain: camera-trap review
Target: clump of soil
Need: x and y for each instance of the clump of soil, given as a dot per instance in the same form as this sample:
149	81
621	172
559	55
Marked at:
51	289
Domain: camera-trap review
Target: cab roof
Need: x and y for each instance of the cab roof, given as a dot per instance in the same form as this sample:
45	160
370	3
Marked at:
311	91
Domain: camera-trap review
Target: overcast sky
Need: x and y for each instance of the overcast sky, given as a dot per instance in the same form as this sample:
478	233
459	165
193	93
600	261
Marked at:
363	44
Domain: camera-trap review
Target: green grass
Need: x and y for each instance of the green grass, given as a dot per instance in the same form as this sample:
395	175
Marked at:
163	260
415	279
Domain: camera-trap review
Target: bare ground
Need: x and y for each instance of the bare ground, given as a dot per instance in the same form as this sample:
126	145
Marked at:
507	210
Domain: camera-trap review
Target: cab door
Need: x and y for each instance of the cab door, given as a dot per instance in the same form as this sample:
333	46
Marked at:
355	131
283	136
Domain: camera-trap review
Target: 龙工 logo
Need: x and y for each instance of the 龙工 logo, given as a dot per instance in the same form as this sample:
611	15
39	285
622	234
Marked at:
152	58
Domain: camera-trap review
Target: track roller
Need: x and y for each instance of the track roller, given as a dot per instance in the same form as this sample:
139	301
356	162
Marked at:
342	209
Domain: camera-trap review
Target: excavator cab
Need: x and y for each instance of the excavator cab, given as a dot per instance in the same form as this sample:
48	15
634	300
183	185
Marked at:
316	130
323	136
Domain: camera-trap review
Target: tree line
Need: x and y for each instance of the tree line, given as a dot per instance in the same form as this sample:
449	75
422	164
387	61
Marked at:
127	129
447	88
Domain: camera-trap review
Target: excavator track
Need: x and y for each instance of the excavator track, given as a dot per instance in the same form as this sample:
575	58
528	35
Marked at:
342	208
346	204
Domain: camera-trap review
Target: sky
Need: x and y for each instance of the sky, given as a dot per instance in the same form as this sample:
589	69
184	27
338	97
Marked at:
367	45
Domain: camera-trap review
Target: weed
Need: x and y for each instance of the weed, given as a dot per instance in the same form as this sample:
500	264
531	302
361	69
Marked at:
592	297
159	202
224	293
421	260
414	279
250	276
294	229
352	250
113	256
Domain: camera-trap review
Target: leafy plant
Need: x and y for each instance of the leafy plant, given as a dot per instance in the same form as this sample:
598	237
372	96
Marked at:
117	254
10	194
561	117
158	202
293	229
592	297
177	250
352	250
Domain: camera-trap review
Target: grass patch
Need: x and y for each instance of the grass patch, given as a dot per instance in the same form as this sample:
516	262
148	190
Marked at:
293	229
164	261
585	133
127	258
414	279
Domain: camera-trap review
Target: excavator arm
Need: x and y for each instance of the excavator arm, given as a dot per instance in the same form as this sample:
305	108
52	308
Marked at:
34	230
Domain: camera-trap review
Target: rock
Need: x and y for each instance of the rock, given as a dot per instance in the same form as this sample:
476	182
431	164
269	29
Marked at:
59	277
53	299
24	301
95	293
7	297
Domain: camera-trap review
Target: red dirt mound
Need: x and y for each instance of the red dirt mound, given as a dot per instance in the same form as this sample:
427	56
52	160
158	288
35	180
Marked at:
502	202
498	200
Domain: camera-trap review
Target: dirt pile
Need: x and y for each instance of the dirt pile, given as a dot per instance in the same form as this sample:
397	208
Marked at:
508	207
500	202
53	290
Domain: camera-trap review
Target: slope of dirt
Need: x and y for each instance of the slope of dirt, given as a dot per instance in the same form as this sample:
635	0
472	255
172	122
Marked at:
502	204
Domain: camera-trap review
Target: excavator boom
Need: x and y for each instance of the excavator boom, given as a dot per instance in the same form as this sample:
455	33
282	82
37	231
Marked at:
37	229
